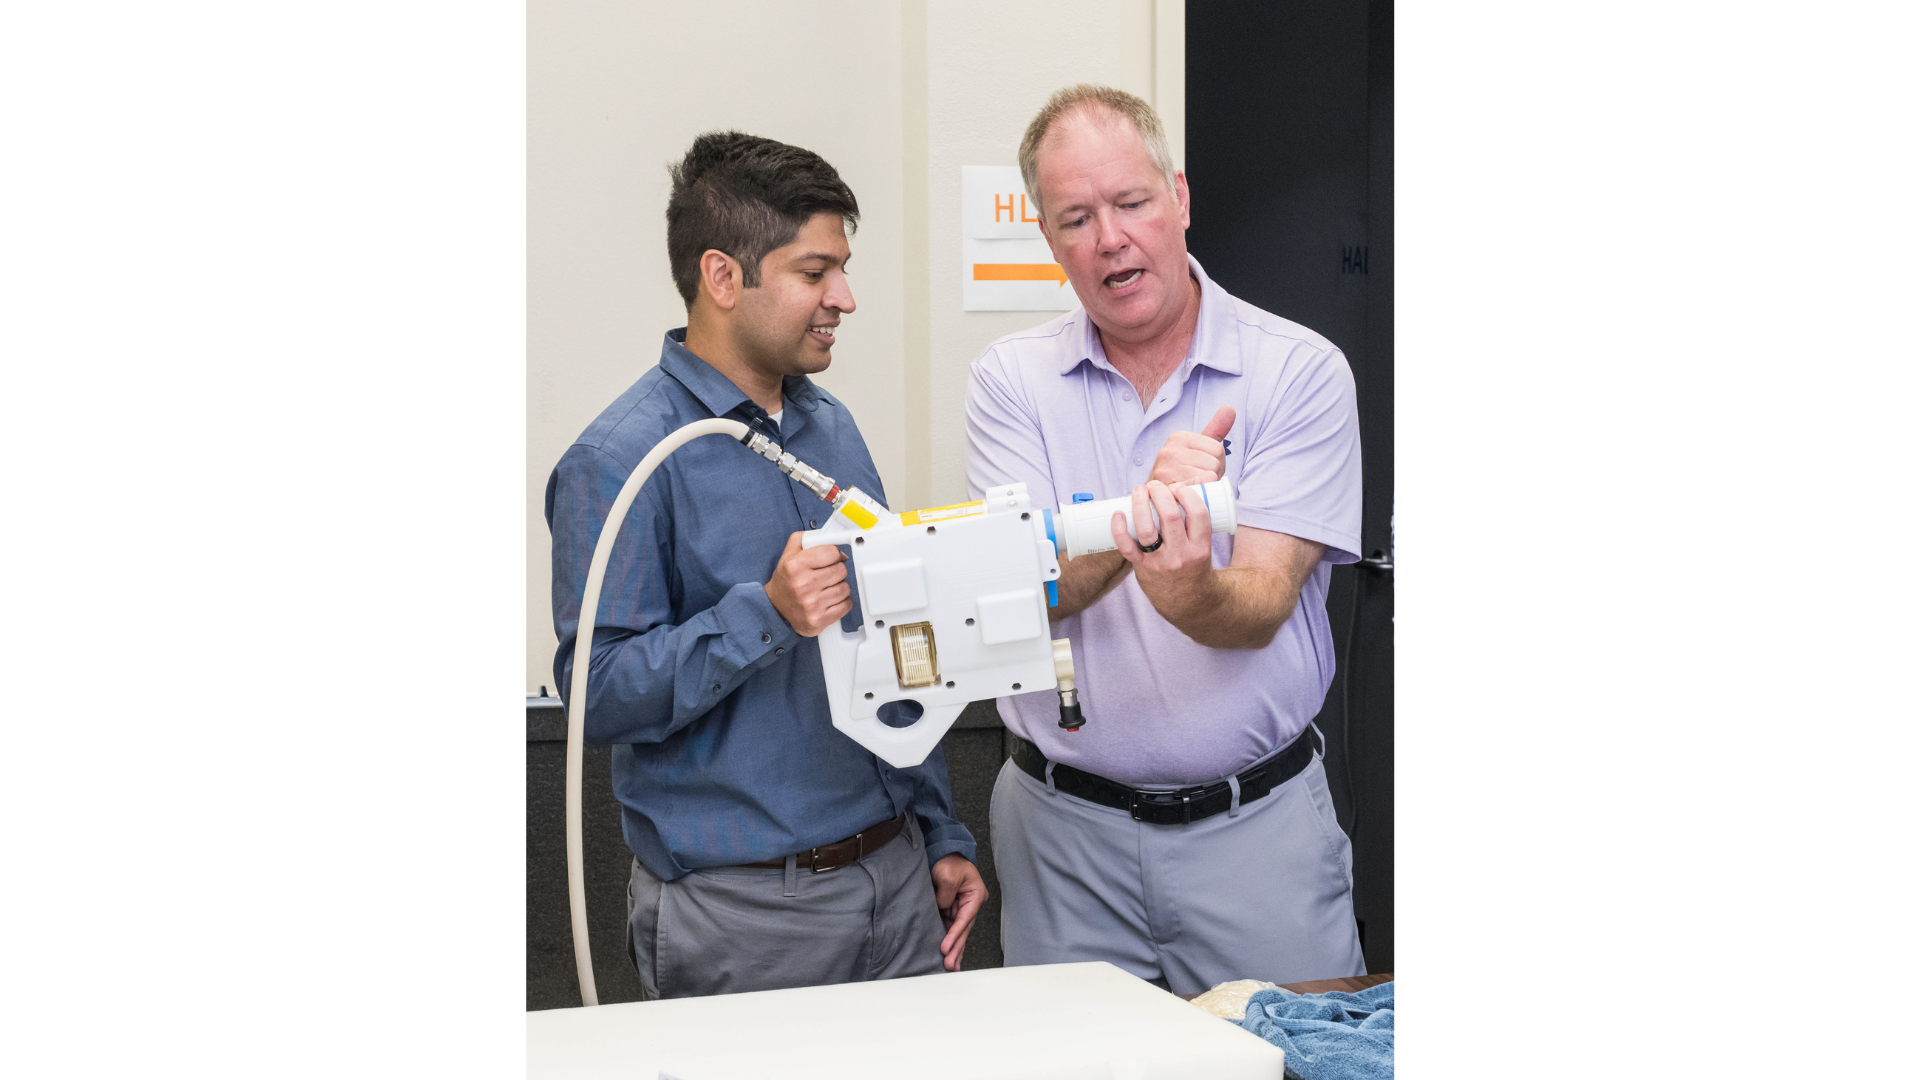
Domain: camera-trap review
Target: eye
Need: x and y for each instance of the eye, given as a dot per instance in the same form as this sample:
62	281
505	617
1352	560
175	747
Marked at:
1133	205
813	275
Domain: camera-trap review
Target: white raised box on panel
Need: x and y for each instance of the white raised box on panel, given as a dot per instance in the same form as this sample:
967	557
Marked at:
894	586
1005	262
1008	616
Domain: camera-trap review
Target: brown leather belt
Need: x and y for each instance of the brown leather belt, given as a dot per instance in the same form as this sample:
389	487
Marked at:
841	852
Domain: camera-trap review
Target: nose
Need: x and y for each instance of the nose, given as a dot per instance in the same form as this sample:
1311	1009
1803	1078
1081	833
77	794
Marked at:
1112	238
839	294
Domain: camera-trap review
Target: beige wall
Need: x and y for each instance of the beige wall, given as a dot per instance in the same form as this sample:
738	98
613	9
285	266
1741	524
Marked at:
897	95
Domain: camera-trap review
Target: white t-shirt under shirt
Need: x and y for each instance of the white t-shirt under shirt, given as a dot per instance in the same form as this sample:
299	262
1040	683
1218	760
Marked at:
1045	407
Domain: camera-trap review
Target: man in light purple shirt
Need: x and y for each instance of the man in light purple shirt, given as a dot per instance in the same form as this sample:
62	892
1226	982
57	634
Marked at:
1185	833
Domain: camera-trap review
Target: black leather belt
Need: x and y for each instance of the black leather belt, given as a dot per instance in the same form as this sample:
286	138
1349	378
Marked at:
1180	807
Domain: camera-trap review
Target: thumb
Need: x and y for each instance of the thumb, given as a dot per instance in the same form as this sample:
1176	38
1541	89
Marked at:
793	545
1221	423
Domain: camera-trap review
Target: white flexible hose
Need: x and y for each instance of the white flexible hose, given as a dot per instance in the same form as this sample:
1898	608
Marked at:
583	659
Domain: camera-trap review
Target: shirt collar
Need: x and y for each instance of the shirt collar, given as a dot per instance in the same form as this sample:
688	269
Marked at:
717	392
1212	343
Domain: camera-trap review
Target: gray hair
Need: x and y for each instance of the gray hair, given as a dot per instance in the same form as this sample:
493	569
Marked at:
1081	99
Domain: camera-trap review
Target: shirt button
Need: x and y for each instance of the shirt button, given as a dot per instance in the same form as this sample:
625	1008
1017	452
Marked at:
1126	397
766	638
716	688
1136	459
813	523
780	650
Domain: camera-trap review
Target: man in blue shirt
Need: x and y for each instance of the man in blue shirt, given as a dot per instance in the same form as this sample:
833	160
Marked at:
770	850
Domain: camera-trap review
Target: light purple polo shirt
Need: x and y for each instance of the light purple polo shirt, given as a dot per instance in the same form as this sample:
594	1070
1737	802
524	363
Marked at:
1045	407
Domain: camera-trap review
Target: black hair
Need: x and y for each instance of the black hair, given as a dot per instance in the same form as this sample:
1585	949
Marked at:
746	196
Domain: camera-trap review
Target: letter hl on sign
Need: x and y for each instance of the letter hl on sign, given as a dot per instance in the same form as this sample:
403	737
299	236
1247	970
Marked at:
1005	263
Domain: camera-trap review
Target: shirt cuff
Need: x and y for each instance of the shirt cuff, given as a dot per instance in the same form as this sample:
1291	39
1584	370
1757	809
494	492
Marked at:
947	838
752	624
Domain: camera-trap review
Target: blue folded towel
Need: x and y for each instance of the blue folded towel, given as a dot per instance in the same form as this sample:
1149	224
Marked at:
1331	1036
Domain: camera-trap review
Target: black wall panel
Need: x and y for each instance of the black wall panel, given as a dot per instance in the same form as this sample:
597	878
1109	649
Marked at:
1290	161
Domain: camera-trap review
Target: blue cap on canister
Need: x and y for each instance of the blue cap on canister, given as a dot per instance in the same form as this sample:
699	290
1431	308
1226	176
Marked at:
1053	588
1082	496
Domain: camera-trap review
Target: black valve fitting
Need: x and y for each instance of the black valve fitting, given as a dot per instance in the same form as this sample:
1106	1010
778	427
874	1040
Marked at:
1070	717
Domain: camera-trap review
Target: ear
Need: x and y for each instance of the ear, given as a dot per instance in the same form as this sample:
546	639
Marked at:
1184	198
721	278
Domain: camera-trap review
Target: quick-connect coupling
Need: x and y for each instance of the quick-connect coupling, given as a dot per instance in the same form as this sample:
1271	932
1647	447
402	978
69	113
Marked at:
809	477
763	446
1071	718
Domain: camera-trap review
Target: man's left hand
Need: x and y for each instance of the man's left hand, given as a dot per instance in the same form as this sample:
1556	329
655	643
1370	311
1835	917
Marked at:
959	892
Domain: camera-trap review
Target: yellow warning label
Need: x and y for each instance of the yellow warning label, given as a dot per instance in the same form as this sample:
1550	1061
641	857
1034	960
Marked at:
942	513
859	515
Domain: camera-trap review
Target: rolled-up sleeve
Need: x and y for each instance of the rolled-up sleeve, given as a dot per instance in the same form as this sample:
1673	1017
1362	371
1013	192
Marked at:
933	805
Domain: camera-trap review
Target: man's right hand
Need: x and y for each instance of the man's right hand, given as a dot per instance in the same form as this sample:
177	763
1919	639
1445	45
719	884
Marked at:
1190	458
809	587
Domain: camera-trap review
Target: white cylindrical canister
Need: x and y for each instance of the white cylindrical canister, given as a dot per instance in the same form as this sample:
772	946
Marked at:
1085	530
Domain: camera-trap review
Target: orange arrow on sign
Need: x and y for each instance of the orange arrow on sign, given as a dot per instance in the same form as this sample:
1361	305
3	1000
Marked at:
1019	272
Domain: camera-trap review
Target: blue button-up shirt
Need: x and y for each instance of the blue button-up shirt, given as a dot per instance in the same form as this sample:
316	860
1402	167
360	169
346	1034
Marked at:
724	746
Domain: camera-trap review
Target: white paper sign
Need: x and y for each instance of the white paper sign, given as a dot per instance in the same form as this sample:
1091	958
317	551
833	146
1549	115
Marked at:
994	204
1005	262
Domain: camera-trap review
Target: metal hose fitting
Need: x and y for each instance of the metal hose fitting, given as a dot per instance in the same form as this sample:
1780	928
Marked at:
809	477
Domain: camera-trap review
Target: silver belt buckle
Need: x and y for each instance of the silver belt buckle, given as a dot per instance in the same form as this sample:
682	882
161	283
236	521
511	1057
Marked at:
813	856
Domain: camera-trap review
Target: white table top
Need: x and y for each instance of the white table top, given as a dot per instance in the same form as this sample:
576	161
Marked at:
1057	1021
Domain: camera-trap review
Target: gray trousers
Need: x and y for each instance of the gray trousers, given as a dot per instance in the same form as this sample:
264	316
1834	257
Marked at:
730	929
1266	893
